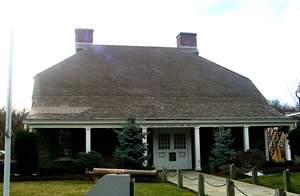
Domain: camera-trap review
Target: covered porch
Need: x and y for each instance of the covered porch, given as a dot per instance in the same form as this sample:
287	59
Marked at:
174	144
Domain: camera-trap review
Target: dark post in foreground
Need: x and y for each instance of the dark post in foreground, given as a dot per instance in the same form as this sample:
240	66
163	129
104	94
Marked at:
230	187
232	172
278	192
164	175
254	175
287	180
179	178
201	190
132	187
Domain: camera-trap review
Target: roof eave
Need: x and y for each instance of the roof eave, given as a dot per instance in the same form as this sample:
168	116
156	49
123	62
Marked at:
109	123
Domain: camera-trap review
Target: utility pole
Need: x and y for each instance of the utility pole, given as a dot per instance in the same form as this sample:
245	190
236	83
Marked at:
6	180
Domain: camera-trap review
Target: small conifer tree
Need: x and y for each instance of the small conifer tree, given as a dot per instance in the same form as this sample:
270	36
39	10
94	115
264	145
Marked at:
131	149
221	152
87	160
26	150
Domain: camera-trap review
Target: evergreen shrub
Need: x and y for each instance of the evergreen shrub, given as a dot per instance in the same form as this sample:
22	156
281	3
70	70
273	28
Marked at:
26	152
221	152
294	138
249	159
130	152
87	160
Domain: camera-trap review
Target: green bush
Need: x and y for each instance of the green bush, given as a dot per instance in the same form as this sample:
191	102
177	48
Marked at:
26	151
294	138
56	169
87	160
249	159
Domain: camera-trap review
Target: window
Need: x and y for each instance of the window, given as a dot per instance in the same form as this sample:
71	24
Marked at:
65	143
163	141
179	141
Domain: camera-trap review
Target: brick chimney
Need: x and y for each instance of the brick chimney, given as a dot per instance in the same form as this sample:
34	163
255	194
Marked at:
188	41
82	38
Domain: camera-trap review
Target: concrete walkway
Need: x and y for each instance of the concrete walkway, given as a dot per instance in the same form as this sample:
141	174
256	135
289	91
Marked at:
246	188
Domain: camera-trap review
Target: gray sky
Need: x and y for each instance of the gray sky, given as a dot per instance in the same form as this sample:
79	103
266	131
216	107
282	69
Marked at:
257	39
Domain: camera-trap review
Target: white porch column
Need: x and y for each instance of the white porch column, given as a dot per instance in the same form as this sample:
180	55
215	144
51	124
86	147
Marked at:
197	148
266	144
246	138
144	130
87	139
287	146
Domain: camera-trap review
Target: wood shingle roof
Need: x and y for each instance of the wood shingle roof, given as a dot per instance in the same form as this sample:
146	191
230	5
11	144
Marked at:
105	82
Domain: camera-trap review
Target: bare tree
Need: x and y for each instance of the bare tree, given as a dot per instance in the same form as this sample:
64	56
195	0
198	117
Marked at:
17	122
292	89
2	127
282	107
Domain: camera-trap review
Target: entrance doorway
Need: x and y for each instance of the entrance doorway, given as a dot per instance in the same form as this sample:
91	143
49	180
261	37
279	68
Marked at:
172	148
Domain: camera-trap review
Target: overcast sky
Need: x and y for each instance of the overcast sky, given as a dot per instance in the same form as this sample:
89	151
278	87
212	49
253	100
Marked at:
257	39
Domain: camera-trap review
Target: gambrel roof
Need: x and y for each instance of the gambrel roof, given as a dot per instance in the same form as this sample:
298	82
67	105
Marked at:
105	82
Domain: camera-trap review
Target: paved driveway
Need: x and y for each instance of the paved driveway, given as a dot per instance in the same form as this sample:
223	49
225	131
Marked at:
214	185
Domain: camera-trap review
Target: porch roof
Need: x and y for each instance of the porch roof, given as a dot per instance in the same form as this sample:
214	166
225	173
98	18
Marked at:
117	123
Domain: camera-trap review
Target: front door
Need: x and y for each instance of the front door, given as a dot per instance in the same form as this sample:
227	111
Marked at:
172	148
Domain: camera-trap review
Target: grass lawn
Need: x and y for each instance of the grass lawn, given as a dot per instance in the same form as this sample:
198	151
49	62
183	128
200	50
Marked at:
79	188
276	181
